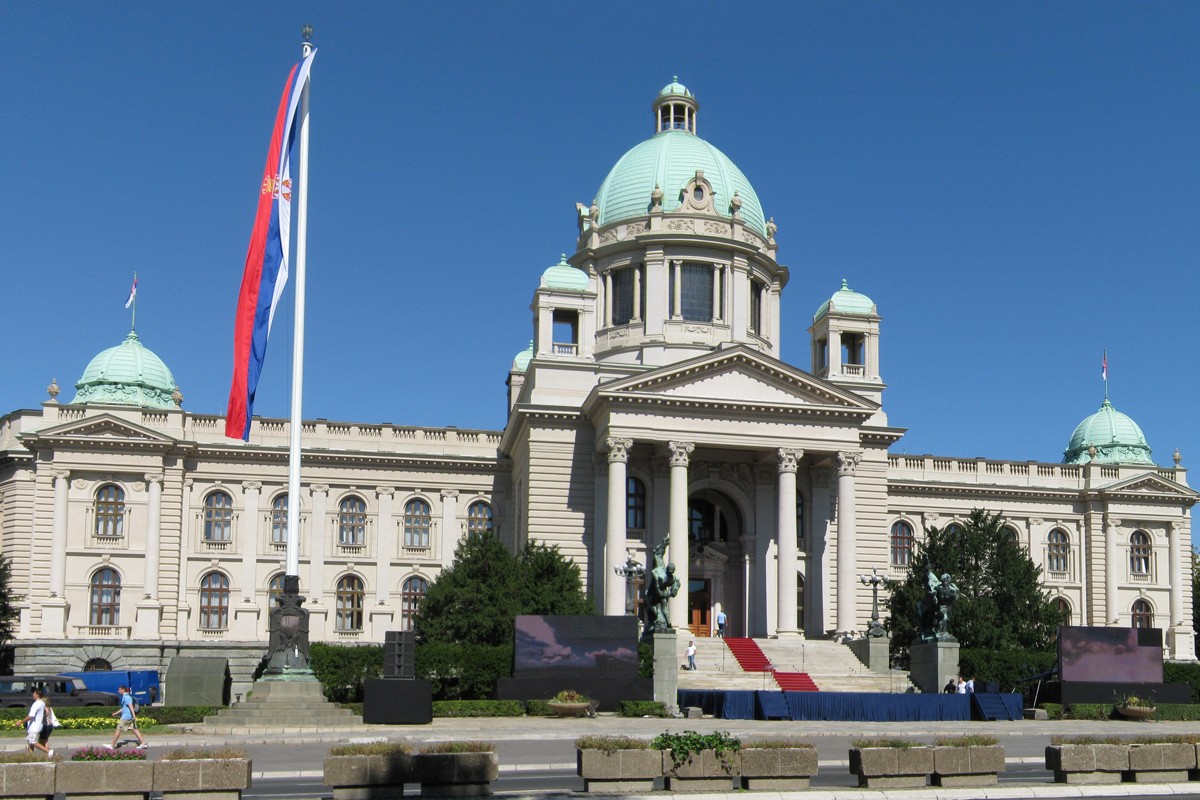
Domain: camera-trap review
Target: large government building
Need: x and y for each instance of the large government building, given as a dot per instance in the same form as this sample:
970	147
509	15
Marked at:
652	399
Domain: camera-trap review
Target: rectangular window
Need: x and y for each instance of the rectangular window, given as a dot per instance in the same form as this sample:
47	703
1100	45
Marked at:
622	288
756	293
566	333
697	295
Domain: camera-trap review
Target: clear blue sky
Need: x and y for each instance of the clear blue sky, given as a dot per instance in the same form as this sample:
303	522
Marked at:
1016	184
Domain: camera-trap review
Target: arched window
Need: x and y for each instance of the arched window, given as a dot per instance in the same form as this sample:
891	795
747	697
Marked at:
1010	533
1142	614
1064	610
352	522
417	522
214	602
110	511
1139	553
279	517
105	607
218	517
1058	550
635	509
953	530
411	593
902	544
97	665
350	595
274	592
800	520
479	517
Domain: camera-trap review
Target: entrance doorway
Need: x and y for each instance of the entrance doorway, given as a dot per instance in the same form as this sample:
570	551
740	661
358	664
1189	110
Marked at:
699	607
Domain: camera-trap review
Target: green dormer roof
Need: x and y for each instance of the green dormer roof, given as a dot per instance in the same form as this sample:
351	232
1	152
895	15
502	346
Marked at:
846	301
669	160
565	277
521	362
128	374
1117	439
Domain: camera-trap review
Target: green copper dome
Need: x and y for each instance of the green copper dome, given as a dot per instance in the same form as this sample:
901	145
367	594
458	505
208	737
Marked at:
675	88
846	301
563	276
521	362
1116	437
668	160
129	375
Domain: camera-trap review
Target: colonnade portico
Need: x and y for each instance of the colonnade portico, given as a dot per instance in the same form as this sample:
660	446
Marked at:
782	532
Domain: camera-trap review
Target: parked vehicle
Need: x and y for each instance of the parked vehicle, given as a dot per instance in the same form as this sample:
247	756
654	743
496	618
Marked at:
142	683
63	691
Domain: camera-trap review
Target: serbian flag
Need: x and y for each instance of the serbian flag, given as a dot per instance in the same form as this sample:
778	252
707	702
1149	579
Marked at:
1104	367
132	293
266	270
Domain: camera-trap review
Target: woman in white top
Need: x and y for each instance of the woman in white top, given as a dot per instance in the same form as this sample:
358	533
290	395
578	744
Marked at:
33	723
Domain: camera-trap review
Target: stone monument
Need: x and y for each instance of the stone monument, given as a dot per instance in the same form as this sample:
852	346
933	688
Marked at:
933	658
661	586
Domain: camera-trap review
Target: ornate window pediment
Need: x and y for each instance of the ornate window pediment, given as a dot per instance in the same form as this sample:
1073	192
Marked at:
697	196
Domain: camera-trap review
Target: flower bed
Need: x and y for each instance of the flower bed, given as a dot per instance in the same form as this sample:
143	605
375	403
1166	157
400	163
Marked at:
776	764
456	769
967	761
890	763
695	762
202	774
617	764
377	770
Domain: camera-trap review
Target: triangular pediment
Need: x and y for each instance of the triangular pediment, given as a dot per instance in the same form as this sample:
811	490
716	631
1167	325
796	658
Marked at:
100	428
736	377
1150	483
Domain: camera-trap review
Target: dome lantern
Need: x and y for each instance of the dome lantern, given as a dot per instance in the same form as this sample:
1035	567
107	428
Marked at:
675	108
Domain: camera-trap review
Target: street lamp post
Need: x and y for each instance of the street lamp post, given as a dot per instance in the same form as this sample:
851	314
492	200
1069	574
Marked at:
875	627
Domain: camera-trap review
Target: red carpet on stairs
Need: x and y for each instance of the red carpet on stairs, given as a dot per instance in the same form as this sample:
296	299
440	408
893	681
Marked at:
752	659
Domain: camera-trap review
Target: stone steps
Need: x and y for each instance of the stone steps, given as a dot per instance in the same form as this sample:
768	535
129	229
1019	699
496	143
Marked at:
282	704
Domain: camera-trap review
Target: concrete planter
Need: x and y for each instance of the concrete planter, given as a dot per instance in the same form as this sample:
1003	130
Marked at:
1087	763
32	780
777	768
374	777
455	774
104	780
705	772
569	709
967	767
202	778
1161	763
891	767
619	771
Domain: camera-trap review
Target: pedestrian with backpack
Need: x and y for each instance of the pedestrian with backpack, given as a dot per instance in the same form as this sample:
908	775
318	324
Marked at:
127	719
34	721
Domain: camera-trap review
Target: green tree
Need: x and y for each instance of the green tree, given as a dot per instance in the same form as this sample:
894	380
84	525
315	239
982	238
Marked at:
464	627
1002	604
9	613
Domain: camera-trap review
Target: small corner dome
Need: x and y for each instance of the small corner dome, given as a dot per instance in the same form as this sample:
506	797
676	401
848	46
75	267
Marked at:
846	301
522	359
565	277
128	374
1117	439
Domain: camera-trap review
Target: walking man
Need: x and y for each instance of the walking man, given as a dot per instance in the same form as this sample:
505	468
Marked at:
691	655
721	623
126	719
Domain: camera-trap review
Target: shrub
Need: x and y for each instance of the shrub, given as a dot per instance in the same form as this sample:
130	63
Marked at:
778	744
463	671
610	743
23	757
645	659
686	744
186	754
538	708
344	670
478	708
1094	711
1086	740
641	708
1005	667
171	715
1053	710
898	744
458	747
104	754
969	740
371	749
570	696
1189	673
1177	711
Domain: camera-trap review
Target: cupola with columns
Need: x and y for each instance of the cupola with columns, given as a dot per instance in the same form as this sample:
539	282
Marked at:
845	343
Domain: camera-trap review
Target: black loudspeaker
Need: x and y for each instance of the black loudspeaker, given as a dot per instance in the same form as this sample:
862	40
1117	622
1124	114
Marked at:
398	652
397	702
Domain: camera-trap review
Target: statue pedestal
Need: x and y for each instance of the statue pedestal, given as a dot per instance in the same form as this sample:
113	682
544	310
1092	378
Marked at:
873	652
666	670
932	664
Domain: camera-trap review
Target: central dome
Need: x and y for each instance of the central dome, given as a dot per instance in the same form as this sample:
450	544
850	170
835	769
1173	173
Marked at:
128	374
669	160
1117	439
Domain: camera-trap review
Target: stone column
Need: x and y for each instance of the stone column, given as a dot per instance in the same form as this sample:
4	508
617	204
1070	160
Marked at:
1175	565
785	528
637	294
450	533
1112	564
677	294
614	546
846	541
316	568
58	535
153	534
608	298
680	456
246	614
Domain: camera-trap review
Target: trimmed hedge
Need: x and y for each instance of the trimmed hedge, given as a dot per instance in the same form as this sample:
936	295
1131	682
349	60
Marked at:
1005	667
1178	712
641	708
163	715
1189	673
478	708
538	708
343	670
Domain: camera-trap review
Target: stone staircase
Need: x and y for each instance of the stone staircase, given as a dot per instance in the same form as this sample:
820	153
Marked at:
832	667
281	705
